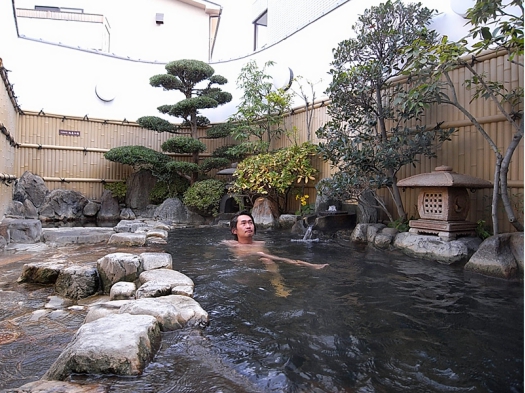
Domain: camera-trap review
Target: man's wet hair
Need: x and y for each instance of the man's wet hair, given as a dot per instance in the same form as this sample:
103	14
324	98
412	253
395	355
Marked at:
235	218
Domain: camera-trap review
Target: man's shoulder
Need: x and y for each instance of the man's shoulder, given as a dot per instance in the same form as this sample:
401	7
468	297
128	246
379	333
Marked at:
235	243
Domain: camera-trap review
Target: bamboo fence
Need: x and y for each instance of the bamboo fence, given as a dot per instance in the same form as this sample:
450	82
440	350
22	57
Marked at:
68	152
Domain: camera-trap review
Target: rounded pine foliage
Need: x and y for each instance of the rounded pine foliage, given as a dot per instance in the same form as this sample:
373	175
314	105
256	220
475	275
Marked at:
155	123
137	156
213	163
183	144
182	167
190	71
219	131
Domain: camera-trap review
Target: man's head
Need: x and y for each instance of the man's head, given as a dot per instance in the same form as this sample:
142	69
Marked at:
242	227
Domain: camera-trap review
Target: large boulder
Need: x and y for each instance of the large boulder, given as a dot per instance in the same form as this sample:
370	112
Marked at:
91	209
19	230
172	209
172	312
127	214
138	188
15	209
499	256
287	221
41	272
31	187
109	207
30	210
156	260
120	344
77	282
63	205
265	213
435	248
161	282
116	267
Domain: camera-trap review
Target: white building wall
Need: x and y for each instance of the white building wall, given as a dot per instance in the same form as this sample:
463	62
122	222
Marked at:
288	17
134	31
62	81
88	35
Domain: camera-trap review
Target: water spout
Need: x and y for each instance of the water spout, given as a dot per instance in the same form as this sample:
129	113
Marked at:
308	233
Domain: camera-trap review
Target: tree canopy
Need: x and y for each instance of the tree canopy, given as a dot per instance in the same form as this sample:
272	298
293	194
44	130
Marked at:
261	111
495	25
368	138
197	81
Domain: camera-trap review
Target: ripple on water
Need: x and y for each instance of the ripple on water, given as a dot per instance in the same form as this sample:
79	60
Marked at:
7	336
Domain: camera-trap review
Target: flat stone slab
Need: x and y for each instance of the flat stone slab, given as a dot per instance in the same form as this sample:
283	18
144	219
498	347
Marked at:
156	260
36	247
119	266
434	248
120	344
20	230
41	272
100	310
172	312
63	236
157	282
128	239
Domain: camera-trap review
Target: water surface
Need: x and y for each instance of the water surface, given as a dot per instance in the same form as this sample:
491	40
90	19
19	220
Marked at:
373	321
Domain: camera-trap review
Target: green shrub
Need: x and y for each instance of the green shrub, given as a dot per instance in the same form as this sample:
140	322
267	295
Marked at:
400	225
118	190
163	190
481	230
274	174
204	197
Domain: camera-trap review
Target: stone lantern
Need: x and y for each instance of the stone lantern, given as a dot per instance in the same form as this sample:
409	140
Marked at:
443	202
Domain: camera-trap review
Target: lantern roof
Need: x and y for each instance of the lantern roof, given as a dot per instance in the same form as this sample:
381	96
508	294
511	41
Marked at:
444	176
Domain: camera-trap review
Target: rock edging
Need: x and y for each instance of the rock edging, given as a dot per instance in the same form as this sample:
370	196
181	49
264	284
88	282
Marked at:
122	335
497	256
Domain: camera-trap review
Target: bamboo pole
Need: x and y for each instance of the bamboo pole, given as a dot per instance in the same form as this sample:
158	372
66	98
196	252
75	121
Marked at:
80	180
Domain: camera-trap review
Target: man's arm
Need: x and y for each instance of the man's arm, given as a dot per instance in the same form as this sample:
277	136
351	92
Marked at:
292	261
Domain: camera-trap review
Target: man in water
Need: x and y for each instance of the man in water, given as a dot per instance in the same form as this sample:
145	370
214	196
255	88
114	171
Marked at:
243	229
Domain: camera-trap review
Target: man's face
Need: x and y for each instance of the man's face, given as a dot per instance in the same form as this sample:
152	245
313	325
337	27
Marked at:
245	229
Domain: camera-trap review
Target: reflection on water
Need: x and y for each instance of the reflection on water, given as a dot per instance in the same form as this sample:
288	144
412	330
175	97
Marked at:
373	321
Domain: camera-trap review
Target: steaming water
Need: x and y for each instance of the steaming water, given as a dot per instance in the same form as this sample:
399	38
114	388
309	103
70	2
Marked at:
373	321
